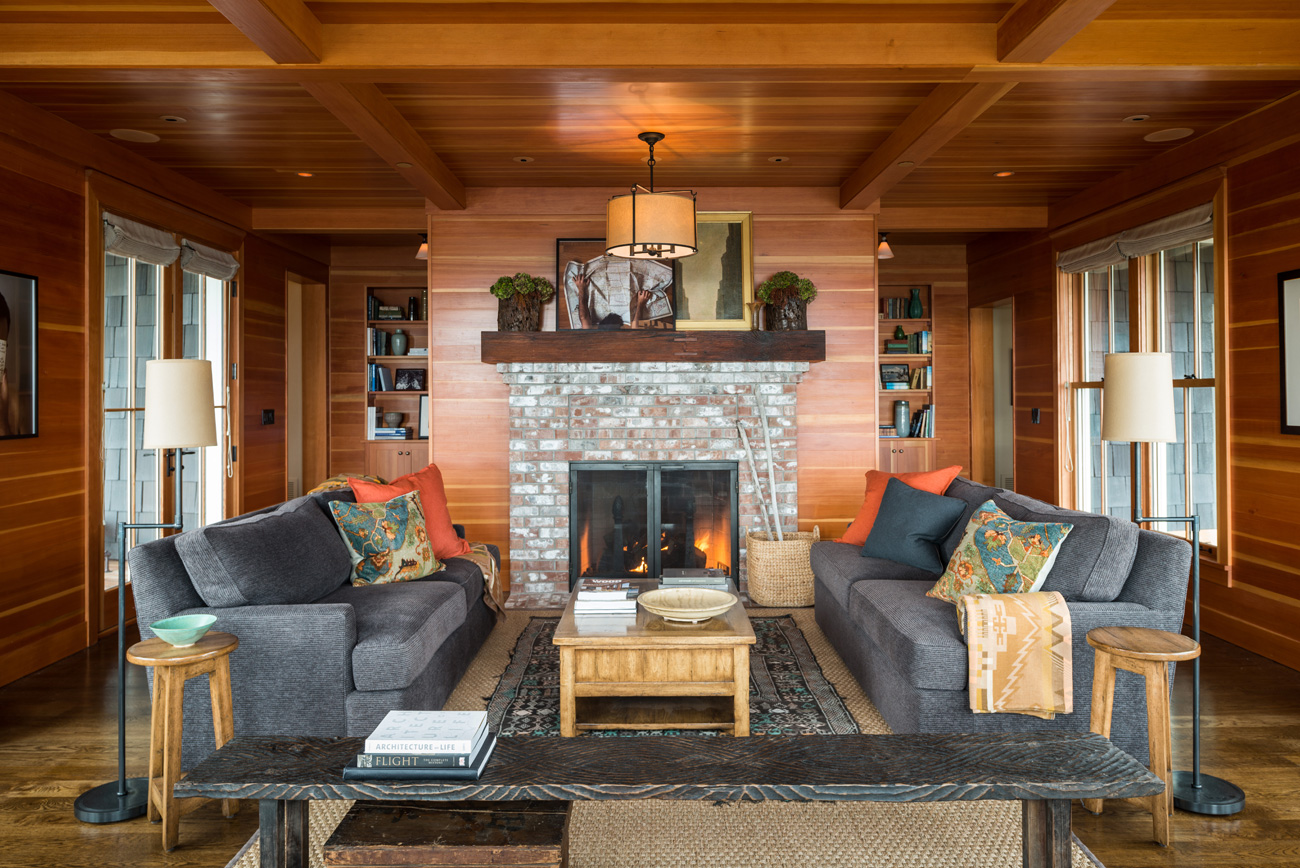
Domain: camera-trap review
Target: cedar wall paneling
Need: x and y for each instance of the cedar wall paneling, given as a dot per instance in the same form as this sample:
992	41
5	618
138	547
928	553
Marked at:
42	480
263	448
352	269
1021	267
508	230
944	269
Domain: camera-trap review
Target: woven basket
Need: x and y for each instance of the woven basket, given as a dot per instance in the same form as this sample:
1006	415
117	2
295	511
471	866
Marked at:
780	573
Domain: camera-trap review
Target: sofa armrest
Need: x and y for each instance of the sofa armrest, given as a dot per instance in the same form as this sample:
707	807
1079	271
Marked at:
1089	616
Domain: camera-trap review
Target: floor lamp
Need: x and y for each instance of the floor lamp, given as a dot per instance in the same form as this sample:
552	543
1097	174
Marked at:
1137	406
178	414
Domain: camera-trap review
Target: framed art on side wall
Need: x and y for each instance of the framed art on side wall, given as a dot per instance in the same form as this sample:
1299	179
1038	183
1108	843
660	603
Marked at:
17	355
596	291
1288	323
716	285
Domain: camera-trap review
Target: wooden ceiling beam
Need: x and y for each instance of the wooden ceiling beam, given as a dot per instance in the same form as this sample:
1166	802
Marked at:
363	109
961	219
339	219
947	111
1034	30
285	29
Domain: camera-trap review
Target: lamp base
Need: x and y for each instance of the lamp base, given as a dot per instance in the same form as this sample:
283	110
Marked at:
103	805
1214	796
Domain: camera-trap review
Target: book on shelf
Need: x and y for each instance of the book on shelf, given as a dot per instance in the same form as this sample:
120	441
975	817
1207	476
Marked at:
389	311
418	351
922	422
471	772
408	732
894	385
888	431
391	434
372	422
381	378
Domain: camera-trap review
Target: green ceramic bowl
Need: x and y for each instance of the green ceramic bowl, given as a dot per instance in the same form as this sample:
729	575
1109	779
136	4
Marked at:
183	630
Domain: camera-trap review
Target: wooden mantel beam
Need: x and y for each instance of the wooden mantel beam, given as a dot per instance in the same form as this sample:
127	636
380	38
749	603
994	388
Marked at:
947	111
285	29
365	111
1034	30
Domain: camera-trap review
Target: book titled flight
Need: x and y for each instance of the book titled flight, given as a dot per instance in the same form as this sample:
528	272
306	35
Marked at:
471	772
425	732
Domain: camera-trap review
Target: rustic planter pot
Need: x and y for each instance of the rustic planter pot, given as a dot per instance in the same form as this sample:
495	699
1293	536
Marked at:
520	313
787	313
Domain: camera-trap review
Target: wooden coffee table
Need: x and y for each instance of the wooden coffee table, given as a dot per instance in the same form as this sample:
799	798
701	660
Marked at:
642	672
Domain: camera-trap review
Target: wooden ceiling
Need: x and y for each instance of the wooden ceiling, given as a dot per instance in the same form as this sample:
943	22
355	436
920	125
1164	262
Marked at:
907	104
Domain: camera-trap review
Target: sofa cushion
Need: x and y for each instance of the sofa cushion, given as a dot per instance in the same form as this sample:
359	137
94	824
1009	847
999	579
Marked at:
918	634
289	554
433	496
386	541
933	481
839	565
399	628
1094	561
463	572
999	555
910	525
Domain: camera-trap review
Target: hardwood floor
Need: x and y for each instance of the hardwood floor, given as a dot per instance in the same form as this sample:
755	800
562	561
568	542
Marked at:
57	738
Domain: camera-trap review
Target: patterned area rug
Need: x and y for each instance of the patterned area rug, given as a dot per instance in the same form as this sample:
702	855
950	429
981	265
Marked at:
788	694
656	834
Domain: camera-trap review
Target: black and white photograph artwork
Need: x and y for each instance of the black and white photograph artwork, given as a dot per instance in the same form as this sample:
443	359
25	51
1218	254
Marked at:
597	291
17	355
409	380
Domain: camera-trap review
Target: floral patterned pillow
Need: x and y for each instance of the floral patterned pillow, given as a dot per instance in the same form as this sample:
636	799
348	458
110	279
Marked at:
388	542
999	555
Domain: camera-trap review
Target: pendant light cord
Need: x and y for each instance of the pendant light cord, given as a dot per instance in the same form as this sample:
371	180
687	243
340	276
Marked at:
651	163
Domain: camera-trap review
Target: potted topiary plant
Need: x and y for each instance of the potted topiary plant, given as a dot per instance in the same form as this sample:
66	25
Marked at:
519	302
786	295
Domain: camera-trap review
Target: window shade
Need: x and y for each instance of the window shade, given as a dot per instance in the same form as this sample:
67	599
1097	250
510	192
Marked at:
1093	256
1194	224
123	237
208	261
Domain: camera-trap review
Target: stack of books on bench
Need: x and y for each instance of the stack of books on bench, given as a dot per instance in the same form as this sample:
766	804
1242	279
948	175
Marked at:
425	745
606	597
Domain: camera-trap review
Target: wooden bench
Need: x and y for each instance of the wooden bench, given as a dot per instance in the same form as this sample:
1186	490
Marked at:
1044	771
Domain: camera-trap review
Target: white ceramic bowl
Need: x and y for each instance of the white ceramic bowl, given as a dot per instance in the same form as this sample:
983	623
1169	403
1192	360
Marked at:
687	604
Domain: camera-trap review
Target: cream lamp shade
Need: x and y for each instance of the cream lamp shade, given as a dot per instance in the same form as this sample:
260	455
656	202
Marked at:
646	225
178	412
1137	398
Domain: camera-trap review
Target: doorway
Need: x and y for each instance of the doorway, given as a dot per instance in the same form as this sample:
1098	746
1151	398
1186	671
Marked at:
306	385
992	348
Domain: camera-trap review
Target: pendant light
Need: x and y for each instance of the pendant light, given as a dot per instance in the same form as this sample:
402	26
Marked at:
883	251
644	224
423	252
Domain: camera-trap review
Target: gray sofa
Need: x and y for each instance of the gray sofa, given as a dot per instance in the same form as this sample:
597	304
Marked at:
316	656
905	648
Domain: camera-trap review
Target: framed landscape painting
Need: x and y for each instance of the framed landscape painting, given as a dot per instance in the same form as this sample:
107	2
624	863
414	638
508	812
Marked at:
716	285
17	355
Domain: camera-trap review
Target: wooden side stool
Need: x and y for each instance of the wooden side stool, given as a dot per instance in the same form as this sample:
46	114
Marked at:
174	666
1148	653
431	834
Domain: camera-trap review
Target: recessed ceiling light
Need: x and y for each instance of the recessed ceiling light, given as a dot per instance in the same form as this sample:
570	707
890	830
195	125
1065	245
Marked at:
778	159
1170	135
906	164
522	159
1136	119
1005	173
403	165
306	174
134	136
172	119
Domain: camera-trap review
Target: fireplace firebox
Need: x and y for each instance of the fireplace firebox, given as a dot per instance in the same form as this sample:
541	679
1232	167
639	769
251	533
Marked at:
636	519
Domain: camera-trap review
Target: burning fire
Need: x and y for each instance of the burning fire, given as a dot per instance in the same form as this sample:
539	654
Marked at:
640	568
703	542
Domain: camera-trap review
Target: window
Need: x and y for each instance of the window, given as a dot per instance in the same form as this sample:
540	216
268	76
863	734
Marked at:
1176	287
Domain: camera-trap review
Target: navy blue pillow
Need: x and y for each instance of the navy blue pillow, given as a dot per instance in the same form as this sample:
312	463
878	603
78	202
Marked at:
911	524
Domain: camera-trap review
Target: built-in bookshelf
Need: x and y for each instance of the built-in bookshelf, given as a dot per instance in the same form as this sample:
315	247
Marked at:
396	383
905	372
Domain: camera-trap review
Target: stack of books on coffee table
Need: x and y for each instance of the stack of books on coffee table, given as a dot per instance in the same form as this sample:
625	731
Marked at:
686	577
425	745
606	597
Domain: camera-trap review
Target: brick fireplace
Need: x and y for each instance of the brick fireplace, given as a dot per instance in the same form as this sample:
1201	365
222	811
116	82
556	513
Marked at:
642	411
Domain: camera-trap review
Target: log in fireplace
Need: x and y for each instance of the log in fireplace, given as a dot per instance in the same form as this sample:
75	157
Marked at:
635	519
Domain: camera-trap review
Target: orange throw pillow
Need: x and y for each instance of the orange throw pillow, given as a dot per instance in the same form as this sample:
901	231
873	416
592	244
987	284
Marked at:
933	481
437	520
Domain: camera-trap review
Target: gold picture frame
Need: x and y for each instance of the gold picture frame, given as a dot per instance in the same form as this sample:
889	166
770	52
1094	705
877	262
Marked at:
718	280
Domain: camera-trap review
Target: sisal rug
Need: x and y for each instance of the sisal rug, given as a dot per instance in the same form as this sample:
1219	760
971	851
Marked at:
663	834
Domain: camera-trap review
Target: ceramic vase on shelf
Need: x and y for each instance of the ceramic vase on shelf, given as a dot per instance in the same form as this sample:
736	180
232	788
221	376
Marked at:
398	343
902	418
899	334
914	310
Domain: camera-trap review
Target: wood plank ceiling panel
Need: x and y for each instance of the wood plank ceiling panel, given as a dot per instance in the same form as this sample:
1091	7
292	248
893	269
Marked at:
1060	138
248	141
